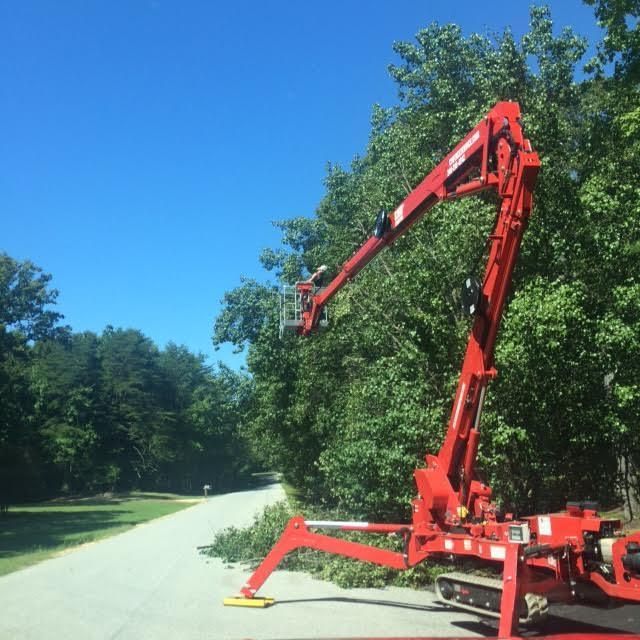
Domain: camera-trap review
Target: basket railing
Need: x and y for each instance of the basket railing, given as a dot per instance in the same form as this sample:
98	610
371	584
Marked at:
291	307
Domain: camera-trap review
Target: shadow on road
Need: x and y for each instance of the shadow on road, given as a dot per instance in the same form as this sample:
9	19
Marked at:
263	480
380	603
255	482
612	622
488	627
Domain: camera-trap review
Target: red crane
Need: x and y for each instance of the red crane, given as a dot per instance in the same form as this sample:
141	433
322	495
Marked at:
562	556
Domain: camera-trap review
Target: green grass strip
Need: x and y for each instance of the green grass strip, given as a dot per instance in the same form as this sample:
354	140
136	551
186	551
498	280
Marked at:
32	533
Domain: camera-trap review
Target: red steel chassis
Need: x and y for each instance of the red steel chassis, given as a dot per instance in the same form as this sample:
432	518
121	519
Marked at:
453	516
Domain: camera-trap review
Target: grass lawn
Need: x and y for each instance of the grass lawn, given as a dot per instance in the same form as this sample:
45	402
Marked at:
31	533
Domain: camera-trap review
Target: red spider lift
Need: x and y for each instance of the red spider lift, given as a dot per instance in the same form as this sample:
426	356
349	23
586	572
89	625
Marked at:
567	556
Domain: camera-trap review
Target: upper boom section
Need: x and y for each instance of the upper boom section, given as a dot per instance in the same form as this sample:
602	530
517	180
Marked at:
474	165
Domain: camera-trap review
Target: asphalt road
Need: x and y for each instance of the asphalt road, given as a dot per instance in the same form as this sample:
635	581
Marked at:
151	582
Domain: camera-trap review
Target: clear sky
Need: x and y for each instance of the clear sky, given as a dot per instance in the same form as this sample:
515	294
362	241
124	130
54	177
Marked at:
146	145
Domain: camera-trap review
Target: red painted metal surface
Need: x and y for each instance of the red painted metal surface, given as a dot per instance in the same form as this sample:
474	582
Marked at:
453	515
563	636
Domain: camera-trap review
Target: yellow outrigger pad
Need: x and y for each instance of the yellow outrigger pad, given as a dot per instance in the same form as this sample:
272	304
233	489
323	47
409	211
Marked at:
241	601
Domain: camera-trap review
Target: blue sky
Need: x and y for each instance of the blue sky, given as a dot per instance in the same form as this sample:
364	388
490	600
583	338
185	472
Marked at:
147	145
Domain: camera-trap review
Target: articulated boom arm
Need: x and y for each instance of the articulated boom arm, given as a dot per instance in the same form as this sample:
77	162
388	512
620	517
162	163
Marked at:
493	155
470	168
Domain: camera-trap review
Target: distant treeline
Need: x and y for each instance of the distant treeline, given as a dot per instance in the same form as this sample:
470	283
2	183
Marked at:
81	412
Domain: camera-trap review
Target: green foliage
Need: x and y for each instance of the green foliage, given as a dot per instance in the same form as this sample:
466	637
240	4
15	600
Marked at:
251	544
82	413
347	415
552	434
24	298
245	312
24	317
621	43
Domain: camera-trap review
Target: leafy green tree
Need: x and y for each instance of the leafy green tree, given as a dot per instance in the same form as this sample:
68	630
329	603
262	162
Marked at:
207	409
621	44
182	375
348	414
82	413
216	414
64	379
138	428
25	297
250	316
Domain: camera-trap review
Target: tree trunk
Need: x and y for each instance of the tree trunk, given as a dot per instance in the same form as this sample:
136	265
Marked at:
629	484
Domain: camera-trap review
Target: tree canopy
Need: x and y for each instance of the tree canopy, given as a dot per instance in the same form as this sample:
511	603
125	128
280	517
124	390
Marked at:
81	412
349	413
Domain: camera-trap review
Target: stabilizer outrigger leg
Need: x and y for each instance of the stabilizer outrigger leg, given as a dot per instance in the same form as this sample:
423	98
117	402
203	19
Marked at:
297	535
